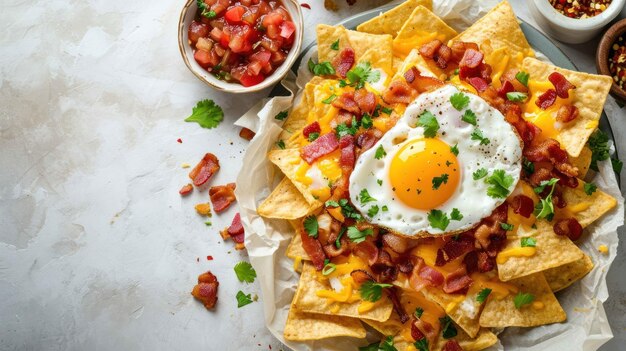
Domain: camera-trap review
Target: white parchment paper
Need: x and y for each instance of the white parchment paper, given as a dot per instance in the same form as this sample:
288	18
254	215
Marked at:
587	327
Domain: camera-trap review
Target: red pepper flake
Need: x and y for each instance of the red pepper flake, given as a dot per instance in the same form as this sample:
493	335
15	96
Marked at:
617	61
179	140
580	8
306	6
209	258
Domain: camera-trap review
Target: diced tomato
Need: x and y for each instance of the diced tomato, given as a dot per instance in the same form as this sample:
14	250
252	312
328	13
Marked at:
278	57
261	56
286	29
254	68
272	31
224	40
234	14
248	80
203	58
216	34
272	18
197	31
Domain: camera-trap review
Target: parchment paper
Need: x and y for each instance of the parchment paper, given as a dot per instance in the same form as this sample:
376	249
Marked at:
587	327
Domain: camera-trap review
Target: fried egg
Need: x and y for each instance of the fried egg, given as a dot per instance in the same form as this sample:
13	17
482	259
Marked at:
426	178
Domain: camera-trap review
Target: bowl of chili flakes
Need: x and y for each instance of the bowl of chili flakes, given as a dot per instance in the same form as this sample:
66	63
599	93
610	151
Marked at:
611	58
240	46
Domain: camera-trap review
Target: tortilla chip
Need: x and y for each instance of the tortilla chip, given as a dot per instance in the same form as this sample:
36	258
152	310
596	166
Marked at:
301	326
589	97
587	208
288	161
498	29
451	304
483	340
552	251
392	326
307	300
295	249
421	27
391	22
502	313
326	36
414	59
359	42
582	162
286	202
563	276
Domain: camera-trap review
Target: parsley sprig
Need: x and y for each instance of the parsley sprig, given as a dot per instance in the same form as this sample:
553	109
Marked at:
206	113
545	207
428	121
499	184
359	75
245	272
372	291
321	69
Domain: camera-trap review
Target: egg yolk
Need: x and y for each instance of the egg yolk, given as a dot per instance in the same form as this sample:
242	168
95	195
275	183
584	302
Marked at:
424	173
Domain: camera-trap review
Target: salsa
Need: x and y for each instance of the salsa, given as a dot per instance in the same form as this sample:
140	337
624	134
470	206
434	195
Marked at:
241	41
580	8
617	62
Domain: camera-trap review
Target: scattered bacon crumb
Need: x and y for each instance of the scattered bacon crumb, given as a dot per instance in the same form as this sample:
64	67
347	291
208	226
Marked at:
569	227
246	133
236	232
205	169
222	196
206	289
546	99
186	190
306	6
209	258
567	113
344	61
203	209
561	84
197	259
179	140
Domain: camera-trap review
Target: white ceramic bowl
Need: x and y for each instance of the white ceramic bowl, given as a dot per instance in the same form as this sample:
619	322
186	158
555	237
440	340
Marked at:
187	15
571	30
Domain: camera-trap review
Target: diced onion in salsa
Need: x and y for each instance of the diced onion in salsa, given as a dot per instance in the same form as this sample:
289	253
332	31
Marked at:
241	41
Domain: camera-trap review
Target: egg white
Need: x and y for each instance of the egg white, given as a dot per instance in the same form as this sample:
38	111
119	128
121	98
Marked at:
504	152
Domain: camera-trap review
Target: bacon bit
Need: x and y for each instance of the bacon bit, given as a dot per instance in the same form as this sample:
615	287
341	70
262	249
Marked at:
246	134
222	196
411	74
235	232
392	293
459	47
366	251
209	258
360	276
429	49
443	56
346	102
366	100
426	329
452	345
197	259
457	281
561	84
416	334
478	83
368	139
322	146
397	243
568	227
179	140
567	113
384	268
507	87
347	158
205	169
546	99
471	59
424	84
344	61
431	275
313	248
308	7
453	249
510	76
206	289
550	150
203	209
399	92
311	128
485	263
523	205
186	190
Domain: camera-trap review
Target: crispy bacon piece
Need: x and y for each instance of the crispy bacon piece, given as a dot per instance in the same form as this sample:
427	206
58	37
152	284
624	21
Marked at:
366	251
526	130
568	227
397	243
392	293
429	49
424	275
366	100
443	56
368	139
523	205
384	268
561	84
510	76
404	264
331	248
222	196
313	248
452	345
485	263
346	102
458	49
360	276
344	61
246	134
453	249
411	74
206	289
186	190
423	84
457	282
416	334
322	146
567	113
205	169
478	83
507	87
489	234
311	128
546	99
471	59
235	232
550	150
399	92
426	329
348	156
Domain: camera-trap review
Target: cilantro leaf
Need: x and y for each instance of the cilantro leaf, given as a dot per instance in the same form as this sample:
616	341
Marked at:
331	203
418	312
385	208
386	110
617	165
507	226
335	45
528	166
421	345
477	134
448	329
479	174
438	219
358	236
205	11
522	77
387	344
243	299
321	69
329	99
437	181
499	182
599	145
379	181
311	226
544	183
313	136
522	299
528	242
338	240
545	207
372	291
482	295
281	115
281	144
516	96
380	152
455	149
245	272
469	117
364	197
590	188
342	129
459	101
428	121
373	211
207	114
456	215
361	74
366	121
346	209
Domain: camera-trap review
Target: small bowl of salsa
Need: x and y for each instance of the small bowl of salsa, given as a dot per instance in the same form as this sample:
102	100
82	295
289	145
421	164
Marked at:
240	46
574	21
611	58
